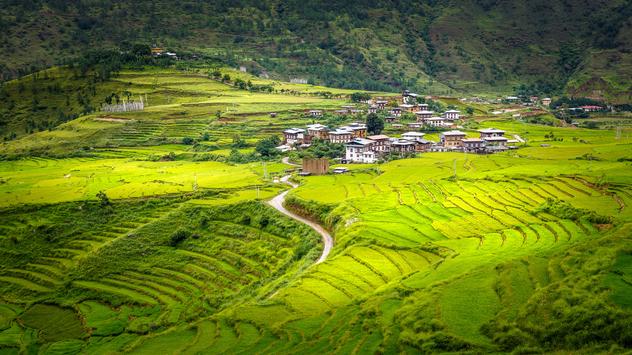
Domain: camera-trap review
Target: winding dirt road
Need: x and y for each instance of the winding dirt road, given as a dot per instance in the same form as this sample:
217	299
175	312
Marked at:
277	203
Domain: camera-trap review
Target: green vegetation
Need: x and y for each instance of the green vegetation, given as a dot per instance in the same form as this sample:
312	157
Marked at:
148	231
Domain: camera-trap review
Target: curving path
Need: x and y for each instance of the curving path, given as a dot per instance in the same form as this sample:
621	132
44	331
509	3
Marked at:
277	203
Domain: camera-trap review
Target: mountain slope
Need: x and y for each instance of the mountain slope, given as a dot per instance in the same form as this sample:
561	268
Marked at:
463	45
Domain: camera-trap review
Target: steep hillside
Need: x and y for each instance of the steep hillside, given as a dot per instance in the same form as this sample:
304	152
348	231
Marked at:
440	46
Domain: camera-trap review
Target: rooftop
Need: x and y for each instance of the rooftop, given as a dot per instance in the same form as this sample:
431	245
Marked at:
294	130
360	141
495	138
413	134
453	133
491	130
424	112
377	137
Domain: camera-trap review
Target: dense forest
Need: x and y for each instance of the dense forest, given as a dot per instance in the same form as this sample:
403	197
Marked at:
577	47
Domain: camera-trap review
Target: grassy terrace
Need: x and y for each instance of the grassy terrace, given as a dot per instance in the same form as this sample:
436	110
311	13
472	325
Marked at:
445	252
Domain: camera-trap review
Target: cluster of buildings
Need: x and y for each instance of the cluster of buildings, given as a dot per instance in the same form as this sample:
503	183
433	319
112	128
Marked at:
360	148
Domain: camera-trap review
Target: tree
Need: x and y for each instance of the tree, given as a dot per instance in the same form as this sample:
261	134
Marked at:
360	97
188	140
267	146
469	110
104	200
374	124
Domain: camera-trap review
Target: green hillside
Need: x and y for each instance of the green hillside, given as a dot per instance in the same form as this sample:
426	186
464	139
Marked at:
149	231
579	47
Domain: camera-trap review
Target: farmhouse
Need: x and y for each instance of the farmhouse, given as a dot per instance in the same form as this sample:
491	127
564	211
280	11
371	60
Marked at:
413	135
407	107
452	114
546	101
452	139
390	119
382	143
421	115
315	113
473	145
422	145
415	125
495	143
317	130
358	130
340	136
491	132
437	122
408	96
360	150
293	136
422	107
591	108
396	111
381	104
402	146
373	109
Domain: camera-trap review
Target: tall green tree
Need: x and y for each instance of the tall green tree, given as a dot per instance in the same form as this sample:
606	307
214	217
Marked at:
374	123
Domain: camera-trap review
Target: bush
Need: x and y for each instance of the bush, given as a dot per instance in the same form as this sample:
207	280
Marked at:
178	237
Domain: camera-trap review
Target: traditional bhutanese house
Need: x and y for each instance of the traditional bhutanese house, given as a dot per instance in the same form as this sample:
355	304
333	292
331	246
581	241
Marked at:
408	96
452	114
495	143
534	99
402	146
407	107
415	125
546	101
412	135
422	145
341	112
360	150
422	115
452	139
491	132
381	104
273	114
437	122
340	136
348	107
473	144
294	136
422	107
396	111
357	129
373	109
355	111
315	113
318	131
157	51
390	119
382	143
397	125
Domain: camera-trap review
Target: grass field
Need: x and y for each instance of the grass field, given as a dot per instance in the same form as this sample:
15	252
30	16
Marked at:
525	251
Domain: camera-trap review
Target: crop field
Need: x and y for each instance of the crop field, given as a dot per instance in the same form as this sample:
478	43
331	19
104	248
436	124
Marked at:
116	236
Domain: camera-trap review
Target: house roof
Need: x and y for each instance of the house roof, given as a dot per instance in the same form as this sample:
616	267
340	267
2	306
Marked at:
453	111
340	132
360	142
436	119
413	134
378	137
496	139
402	142
316	126
453	133
491	130
294	130
424	112
471	140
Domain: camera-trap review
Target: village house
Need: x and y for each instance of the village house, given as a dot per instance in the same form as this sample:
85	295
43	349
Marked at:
402	146
360	150
318	131
293	136
341	112
315	113
495	143
422	145
396	111
473	145
412	135
382	143
421	115
422	107
381	104
452	114
409	97
491	132
390	119
415	125
358	130
591	108
339	136
373	109
407	107
452	139
546	101
437	122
